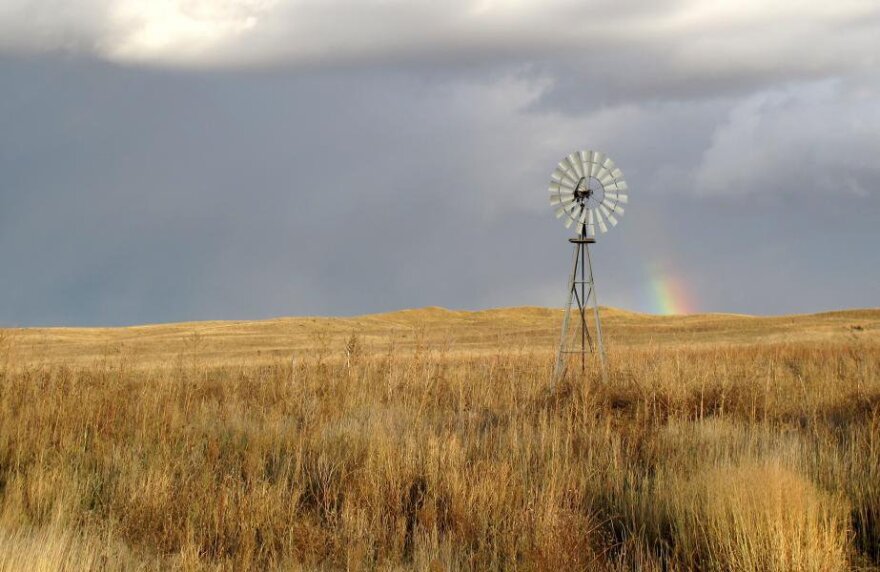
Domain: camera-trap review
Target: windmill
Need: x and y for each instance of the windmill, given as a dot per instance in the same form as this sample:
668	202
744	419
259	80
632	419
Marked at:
587	190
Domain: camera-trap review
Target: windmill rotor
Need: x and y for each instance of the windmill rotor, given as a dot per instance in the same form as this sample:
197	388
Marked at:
587	190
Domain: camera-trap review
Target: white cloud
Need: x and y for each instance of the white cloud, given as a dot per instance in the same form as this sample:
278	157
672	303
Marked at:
186	31
681	37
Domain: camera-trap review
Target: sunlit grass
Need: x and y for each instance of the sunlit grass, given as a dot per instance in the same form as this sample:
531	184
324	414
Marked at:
747	457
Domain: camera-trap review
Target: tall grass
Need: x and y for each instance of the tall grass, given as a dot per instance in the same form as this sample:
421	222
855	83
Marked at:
719	458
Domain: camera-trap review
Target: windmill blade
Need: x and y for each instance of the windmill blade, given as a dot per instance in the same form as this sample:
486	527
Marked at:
609	203
576	210
612	220
605	211
569	222
560	187
608	164
567	169
572	204
585	222
561	176
559	212
617	173
597	215
617	186
559	200
561	193
619	197
599	220
596	165
600	173
562	198
606	179
575	164
585	161
572	167
613	207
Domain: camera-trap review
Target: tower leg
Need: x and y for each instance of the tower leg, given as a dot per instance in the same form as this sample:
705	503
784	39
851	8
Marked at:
566	317
599	343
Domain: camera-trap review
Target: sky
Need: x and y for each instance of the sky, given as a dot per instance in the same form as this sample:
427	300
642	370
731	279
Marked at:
182	160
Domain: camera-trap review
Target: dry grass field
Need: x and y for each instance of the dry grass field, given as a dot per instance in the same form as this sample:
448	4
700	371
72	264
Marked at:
435	440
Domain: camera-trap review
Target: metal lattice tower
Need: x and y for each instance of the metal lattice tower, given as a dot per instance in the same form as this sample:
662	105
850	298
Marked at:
582	291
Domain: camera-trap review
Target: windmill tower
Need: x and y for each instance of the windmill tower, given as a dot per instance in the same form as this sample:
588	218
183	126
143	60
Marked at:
587	190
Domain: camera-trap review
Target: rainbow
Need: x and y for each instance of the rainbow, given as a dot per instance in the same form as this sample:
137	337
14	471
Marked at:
668	295
666	290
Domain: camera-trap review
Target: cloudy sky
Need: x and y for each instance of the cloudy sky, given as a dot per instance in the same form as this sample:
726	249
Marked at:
192	159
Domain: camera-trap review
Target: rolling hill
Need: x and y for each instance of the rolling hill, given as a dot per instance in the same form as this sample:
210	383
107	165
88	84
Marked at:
531	328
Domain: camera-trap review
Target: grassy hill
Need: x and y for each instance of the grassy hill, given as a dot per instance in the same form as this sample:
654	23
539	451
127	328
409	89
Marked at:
457	332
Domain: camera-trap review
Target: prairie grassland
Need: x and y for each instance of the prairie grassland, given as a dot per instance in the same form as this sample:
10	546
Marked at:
721	448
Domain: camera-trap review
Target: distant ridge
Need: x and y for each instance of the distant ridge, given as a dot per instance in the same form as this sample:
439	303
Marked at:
434	313
468	332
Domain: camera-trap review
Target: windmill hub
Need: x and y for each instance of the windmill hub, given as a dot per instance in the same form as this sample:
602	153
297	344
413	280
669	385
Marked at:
587	188
588	191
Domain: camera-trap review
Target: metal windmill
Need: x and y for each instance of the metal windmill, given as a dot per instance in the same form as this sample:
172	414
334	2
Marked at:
587	190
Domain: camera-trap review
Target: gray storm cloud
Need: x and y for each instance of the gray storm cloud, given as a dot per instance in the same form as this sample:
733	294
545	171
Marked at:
183	160
820	138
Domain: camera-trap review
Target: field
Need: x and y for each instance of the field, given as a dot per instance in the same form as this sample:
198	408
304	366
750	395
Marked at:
435	440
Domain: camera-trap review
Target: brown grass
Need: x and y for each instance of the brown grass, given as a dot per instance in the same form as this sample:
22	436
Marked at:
738	453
